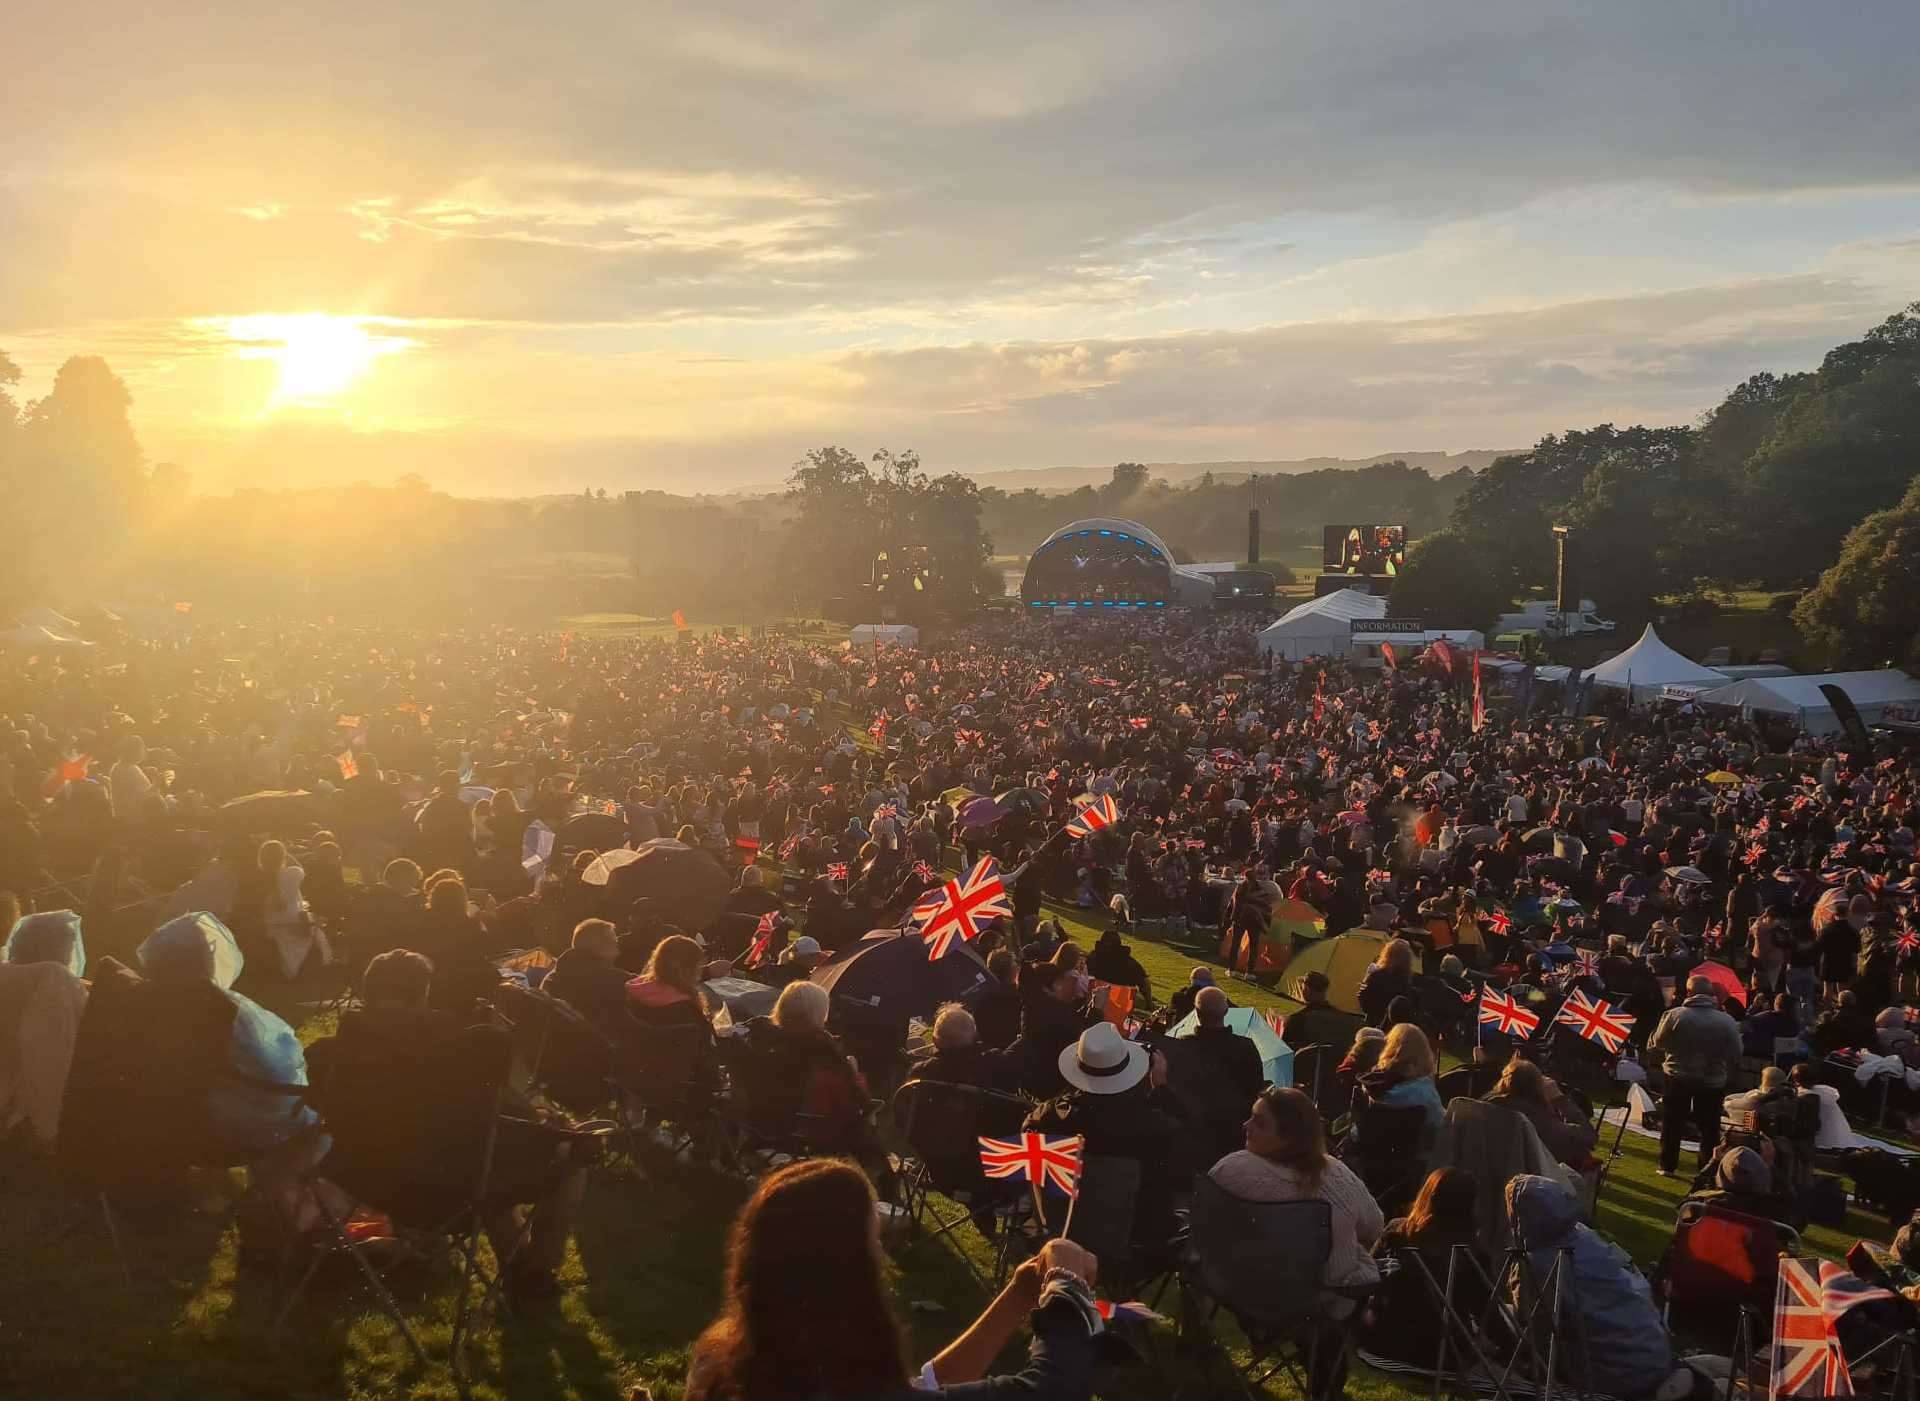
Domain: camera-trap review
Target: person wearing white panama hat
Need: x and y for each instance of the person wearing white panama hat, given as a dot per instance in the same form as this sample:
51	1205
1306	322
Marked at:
1119	1102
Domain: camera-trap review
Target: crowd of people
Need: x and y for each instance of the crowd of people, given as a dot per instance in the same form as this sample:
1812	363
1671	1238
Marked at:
442	830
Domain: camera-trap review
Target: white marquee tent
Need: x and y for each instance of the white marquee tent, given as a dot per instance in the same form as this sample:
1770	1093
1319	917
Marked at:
1799	696
1650	665
1320	627
871	636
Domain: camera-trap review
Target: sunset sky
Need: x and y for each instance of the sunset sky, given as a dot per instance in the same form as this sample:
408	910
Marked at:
538	247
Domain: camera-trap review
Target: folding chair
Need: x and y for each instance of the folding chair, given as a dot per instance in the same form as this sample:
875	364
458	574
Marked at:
1313	1068
436	1206
1721	1261
1466	1082
135	1114
1103	1218
1262	1263
942	1125
1388	1149
556	1051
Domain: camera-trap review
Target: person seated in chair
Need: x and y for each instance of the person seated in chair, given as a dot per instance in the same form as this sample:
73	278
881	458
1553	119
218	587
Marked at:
1113	962
1233	1072
409	1093
1778	1022
1404	1075
798	1053
1119	1102
1530	1092
1403	1321
1742	1179
795	964
996	1006
958	1058
1285	1159
587	978
1048	1029
1317	1022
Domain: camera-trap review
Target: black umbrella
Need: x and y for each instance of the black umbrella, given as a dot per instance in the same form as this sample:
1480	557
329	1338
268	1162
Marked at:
1539	839
887	977
686	885
593	831
1030	801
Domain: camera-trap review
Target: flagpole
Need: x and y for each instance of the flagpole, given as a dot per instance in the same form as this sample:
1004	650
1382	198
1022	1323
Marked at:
1066	1226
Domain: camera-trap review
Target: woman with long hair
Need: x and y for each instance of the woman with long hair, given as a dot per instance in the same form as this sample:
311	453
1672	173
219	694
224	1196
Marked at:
1563	1129
806	1312
1402	1322
1286	1160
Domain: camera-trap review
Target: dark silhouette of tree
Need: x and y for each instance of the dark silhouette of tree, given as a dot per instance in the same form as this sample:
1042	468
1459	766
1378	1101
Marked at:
1447	583
1866	608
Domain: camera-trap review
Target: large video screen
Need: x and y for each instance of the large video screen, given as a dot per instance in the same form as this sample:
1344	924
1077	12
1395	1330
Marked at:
1363	549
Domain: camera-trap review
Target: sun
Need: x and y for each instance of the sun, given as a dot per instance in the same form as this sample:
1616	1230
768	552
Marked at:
319	356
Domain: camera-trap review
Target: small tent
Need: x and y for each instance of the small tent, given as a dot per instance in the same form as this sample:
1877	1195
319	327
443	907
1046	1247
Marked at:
1649	665
1320	627
1344	959
872	636
1800	697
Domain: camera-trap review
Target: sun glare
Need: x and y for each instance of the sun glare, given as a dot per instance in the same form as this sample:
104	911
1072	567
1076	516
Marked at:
319	356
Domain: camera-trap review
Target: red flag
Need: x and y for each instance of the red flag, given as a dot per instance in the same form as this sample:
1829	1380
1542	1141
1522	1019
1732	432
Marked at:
763	933
1319	697
961	908
183	607
1386	656
679	620
70	771
349	768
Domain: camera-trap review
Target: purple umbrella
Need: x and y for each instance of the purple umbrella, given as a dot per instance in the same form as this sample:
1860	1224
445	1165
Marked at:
981	812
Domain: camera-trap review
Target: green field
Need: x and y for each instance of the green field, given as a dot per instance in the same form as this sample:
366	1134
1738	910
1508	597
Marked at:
641	1281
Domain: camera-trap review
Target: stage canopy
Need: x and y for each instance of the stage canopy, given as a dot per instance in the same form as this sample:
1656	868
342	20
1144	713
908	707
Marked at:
1102	562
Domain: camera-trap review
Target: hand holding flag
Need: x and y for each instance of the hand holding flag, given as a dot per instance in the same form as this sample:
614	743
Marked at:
1102	812
961	908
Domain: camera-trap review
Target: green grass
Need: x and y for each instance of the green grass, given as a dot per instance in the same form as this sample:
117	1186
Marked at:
641	1280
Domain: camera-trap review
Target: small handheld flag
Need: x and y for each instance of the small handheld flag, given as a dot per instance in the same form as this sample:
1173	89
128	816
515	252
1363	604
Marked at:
763	935
1102	812
961	908
1506	1014
1595	1019
1035	1158
836	870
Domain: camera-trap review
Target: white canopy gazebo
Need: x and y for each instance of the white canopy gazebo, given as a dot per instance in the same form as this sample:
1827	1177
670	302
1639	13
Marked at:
1650	665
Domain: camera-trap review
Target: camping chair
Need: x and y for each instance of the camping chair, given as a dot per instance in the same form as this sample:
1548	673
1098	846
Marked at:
942	1125
556	1051
434	1206
135	1115
1313	1069
1388	1148
1721	1261
1103	1217
1263	1264
1466	1082
763	1111
669	1078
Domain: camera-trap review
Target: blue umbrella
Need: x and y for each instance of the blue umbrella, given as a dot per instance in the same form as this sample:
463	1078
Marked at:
1276	1057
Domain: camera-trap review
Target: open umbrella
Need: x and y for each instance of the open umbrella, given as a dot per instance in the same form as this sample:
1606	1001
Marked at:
1030	801
1723	978
593	831
686	885
1538	839
1691	875
1592	761
1276	1057
270	811
887	977
957	796
980	812
606	863
1723	778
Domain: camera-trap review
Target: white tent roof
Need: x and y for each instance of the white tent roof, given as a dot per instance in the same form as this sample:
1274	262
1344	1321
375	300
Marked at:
1790	695
1650	664
1327	612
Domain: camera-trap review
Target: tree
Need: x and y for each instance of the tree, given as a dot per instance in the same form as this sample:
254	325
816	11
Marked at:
1447	582
1129	479
1866	609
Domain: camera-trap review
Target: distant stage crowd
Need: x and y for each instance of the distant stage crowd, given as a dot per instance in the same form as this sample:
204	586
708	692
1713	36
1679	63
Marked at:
573	895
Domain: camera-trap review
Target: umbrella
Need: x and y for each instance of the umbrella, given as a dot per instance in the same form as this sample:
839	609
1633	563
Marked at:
1723	978
687	886
473	793
1722	777
1539	839
1236	804
1692	875
1440	778
593	831
1592	761
1030	801
606	863
887	977
1276	1057
957	796
1775	788
980	812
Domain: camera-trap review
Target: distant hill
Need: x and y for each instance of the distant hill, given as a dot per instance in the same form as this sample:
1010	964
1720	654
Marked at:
1068	478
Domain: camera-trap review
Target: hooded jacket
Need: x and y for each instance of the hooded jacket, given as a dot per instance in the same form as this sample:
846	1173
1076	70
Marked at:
1614	1342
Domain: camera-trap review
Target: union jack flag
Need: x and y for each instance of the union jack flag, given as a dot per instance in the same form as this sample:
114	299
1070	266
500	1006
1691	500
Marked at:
1033	1157
1585	964
1595	1019
1756	853
878	729
1908	942
925	872
1838	851
966	737
1499	921
888	810
1139	722
1471	995
836	870
1807	1360
961	908
1101	812
1506	1014
792	844
763	936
